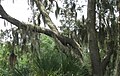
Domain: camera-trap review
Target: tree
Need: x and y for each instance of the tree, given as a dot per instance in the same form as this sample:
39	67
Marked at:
52	33
93	46
99	33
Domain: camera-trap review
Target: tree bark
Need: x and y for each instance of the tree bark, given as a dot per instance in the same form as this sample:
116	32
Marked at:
93	45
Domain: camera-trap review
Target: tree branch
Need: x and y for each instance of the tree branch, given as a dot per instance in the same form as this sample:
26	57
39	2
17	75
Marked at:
64	40
47	18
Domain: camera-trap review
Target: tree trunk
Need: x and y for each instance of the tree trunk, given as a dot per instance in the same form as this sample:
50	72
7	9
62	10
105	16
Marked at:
93	46
117	69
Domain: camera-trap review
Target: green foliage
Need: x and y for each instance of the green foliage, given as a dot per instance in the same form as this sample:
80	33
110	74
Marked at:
48	61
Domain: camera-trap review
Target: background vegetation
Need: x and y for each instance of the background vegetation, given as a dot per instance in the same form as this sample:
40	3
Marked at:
79	47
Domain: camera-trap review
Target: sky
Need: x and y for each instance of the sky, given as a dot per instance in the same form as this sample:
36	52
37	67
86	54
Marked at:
21	11
18	9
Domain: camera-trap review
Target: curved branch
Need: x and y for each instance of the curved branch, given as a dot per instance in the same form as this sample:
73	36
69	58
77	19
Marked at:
64	40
